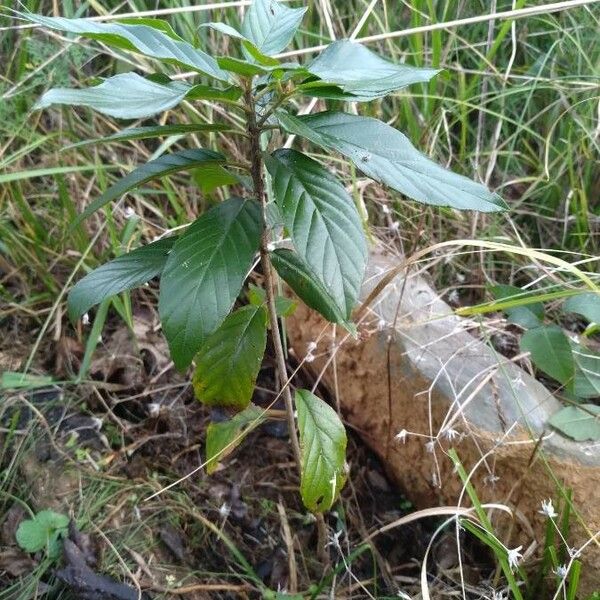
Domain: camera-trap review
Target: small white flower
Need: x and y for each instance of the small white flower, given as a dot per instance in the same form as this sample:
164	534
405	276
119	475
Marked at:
491	478
334	538
561	571
129	212
395	226
454	297
430	446
518	381
401	436
574	553
309	357
311	346
548	509
85	320
514	556
154	409
386	209
170	579
225	509
451	434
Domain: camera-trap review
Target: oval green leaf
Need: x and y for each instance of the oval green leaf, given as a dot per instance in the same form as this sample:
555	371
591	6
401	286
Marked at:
582	423
387	155
150	37
527	315
204	274
42	532
363	74
224	437
270	25
587	305
550	352
183	160
323	223
299	276
587	371
124	96
323	452
229	360
119	275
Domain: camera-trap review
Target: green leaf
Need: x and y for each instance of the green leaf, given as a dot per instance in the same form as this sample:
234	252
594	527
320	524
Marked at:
42	532
362	73
323	452
550	352
230	94
241	67
153	38
152	131
298	275
204	274
582	423
183	160
250	69
124	96
587	305
284	307
223	438
270	25
210	176
527	316
323	223
587	371
119	275
246	43
386	155
229	359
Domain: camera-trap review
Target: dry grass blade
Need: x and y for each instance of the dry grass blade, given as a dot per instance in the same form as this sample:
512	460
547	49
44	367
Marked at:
504	15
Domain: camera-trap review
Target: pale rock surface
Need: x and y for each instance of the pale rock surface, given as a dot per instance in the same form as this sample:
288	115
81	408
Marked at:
416	368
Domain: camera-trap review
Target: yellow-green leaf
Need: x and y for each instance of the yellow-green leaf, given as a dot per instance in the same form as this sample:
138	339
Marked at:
323	452
229	359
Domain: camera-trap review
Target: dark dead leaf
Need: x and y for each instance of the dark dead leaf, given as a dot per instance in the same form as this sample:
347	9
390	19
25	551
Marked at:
87	584
15	562
172	538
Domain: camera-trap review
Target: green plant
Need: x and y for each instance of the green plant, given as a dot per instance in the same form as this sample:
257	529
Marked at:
204	270
570	362
43	532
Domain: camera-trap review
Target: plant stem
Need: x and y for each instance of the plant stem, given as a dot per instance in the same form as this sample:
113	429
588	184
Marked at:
259	191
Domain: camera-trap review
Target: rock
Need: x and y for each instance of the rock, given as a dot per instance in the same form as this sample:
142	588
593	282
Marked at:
416	368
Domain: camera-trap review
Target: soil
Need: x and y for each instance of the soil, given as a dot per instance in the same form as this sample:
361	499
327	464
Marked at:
135	428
